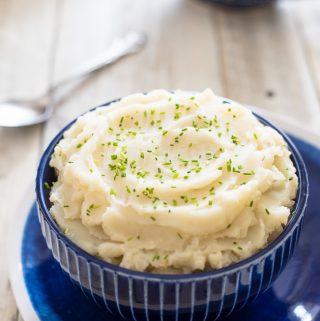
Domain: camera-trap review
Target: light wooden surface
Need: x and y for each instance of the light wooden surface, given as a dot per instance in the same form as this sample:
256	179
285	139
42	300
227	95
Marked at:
269	57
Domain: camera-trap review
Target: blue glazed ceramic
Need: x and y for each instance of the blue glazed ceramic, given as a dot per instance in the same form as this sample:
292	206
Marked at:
144	296
241	3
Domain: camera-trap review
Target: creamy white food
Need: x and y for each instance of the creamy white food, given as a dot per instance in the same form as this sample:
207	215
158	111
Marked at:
172	183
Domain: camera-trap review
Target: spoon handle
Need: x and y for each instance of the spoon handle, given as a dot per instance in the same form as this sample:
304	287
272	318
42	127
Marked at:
129	44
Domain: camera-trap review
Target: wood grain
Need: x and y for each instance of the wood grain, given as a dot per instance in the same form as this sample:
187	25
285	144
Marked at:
307	16
158	66
263	61
25	40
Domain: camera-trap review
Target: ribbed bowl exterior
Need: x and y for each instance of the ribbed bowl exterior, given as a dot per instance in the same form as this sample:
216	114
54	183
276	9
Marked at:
152	298
144	296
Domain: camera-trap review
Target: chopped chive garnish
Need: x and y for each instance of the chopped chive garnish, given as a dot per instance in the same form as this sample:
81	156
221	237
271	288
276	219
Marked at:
156	257
229	162
112	192
249	173
165	132
46	185
175	175
177	115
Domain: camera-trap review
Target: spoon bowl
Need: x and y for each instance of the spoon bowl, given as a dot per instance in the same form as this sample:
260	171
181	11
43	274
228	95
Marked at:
20	113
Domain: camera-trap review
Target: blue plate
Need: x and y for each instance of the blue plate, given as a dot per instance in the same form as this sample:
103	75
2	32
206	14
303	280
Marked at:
294	296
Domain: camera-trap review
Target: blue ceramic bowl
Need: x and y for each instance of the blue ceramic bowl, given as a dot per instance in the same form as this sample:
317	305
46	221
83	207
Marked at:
242	3
145	296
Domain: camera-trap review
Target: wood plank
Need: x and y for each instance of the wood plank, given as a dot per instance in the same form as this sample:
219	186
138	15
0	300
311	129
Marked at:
25	41
263	62
169	60
307	20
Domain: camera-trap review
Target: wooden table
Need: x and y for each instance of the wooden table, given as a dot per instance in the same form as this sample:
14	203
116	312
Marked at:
269	57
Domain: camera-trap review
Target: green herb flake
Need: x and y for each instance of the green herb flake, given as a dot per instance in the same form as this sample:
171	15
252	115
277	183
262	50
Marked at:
165	132
46	186
177	115
267	211
235	139
249	173
229	165
156	257
112	192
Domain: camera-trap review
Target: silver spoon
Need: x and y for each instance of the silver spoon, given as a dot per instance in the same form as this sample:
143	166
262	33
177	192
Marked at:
19	113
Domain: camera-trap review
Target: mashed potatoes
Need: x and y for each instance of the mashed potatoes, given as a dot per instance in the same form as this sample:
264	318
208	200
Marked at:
172	183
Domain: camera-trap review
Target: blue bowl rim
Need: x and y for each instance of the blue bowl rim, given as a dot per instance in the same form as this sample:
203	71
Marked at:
299	208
